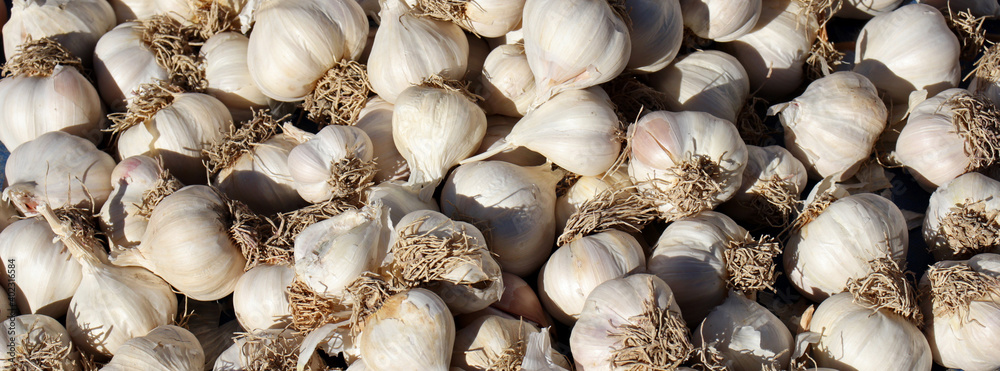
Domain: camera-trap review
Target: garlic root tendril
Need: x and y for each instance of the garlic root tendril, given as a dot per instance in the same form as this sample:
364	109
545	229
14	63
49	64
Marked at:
240	140
776	201
351	176
164	186
750	263
446	10
368	292
149	99
277	248
750	125
987	67
437	81
620	209
657	339
886	287
697	181
247	229
978	121
420	258
632	97
38	58
971	229
48	353
969	30
954	288
340	95
171	44
212	17
310	311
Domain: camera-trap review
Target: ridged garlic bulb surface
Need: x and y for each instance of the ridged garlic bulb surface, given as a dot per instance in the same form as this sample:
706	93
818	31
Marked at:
166	348
931	144
262	177
976	7
35	105
376	120
131	179
508	84
399	198
864	9
706	81
45	274
497	129
310	165
76	24
657	33
412	330
721	20
130	10
228	75
746	335
485	341
331	254
260	301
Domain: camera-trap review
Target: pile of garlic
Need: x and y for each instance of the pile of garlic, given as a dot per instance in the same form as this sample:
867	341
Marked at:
540	185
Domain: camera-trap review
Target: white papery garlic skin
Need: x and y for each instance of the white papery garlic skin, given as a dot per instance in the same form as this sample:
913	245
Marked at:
480	344
412	330
765	165
497	129
930	144
76	24
376	120
45	274
130	10
515	204
262	177
295	42
130	179
508	84
706	81
977	8
908	49
573	44
29	333
259	298
585	189
957	196
864	9
310	164
838	244
657	33
721	20
331	254
166	348
833	126
122	62
34	105
400	199
746	335
576	268
228	75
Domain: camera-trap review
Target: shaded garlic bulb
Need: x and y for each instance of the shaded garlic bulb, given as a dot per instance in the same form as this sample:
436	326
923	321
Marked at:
705	81
773	182
657	33
166	348
139	183
45	273
508	84
585	189
276	349
491	342
864	9
670	152
518	301
746	335
399	198
259	299
573	45
833	126
514	204
39	342
76	24
839	244
908	49
417	321
721	20
576	268
962	217
331	254
228	75
130	10
44	91
335	163
5	309
376	120
409	49
638	310
60	169
497	129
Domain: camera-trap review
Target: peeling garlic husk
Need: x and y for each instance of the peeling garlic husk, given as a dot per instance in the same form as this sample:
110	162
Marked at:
507	81
131	179
262	178
497	129
585	189
906	50
962	217
772	177
492	341
864	9
932	145
721	20
228	75
416	320
400	199
122	62
376	120
573	45
576	268
259	299
165	348
746	335
838	244
60	169
313	164
707	81
833	126
76	24
37	341
46	275
656	35
515	204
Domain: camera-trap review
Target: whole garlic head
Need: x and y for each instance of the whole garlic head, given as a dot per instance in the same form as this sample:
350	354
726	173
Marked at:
77	24
36	341
45	274
705	81
165	348
721	20
416	320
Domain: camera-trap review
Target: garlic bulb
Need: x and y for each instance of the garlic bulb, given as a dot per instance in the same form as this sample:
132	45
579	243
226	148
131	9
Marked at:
492	342
123	62
977	8
175	126
906	50
434	129
228	75
335	163
772	184
497	129
705	81
775	51
638	310
331	254
166	348
36	341
833	126
562	127
294	43
408	49
864	9
399	198
514	204
259	298
257	172
573	45
485	18
45	274
189	242
962	216
838	244
585	189
130	10
656	35
276	349
76	24
376	120
962	311
745	335
417	321
670	152
137	182
44	91
855	337
60	169
508	85
721	20
576	268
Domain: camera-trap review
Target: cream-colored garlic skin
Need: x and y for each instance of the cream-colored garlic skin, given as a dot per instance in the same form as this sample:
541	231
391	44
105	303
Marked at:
29	333
409	49
483	342
853	337
838	245
959	193
376	120
976	7
59	169
833	126
262	178
45	274
585	189
311	164
656	35
515	204
493	18
507	81
228	75
775	51
76	24
64	101
576	268
178	133
721	20
166	348
260	300
399	198
497	129
573	44
280	341
746	335
295	42
706	81
764	165
130	10
609	306
412	330
865	9
130	180
122	62
930	144
908	49
331	254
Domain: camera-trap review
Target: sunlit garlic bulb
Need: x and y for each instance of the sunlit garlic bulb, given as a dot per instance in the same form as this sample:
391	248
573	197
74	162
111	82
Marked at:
707	81
721	20
228	75
45	275
76	24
